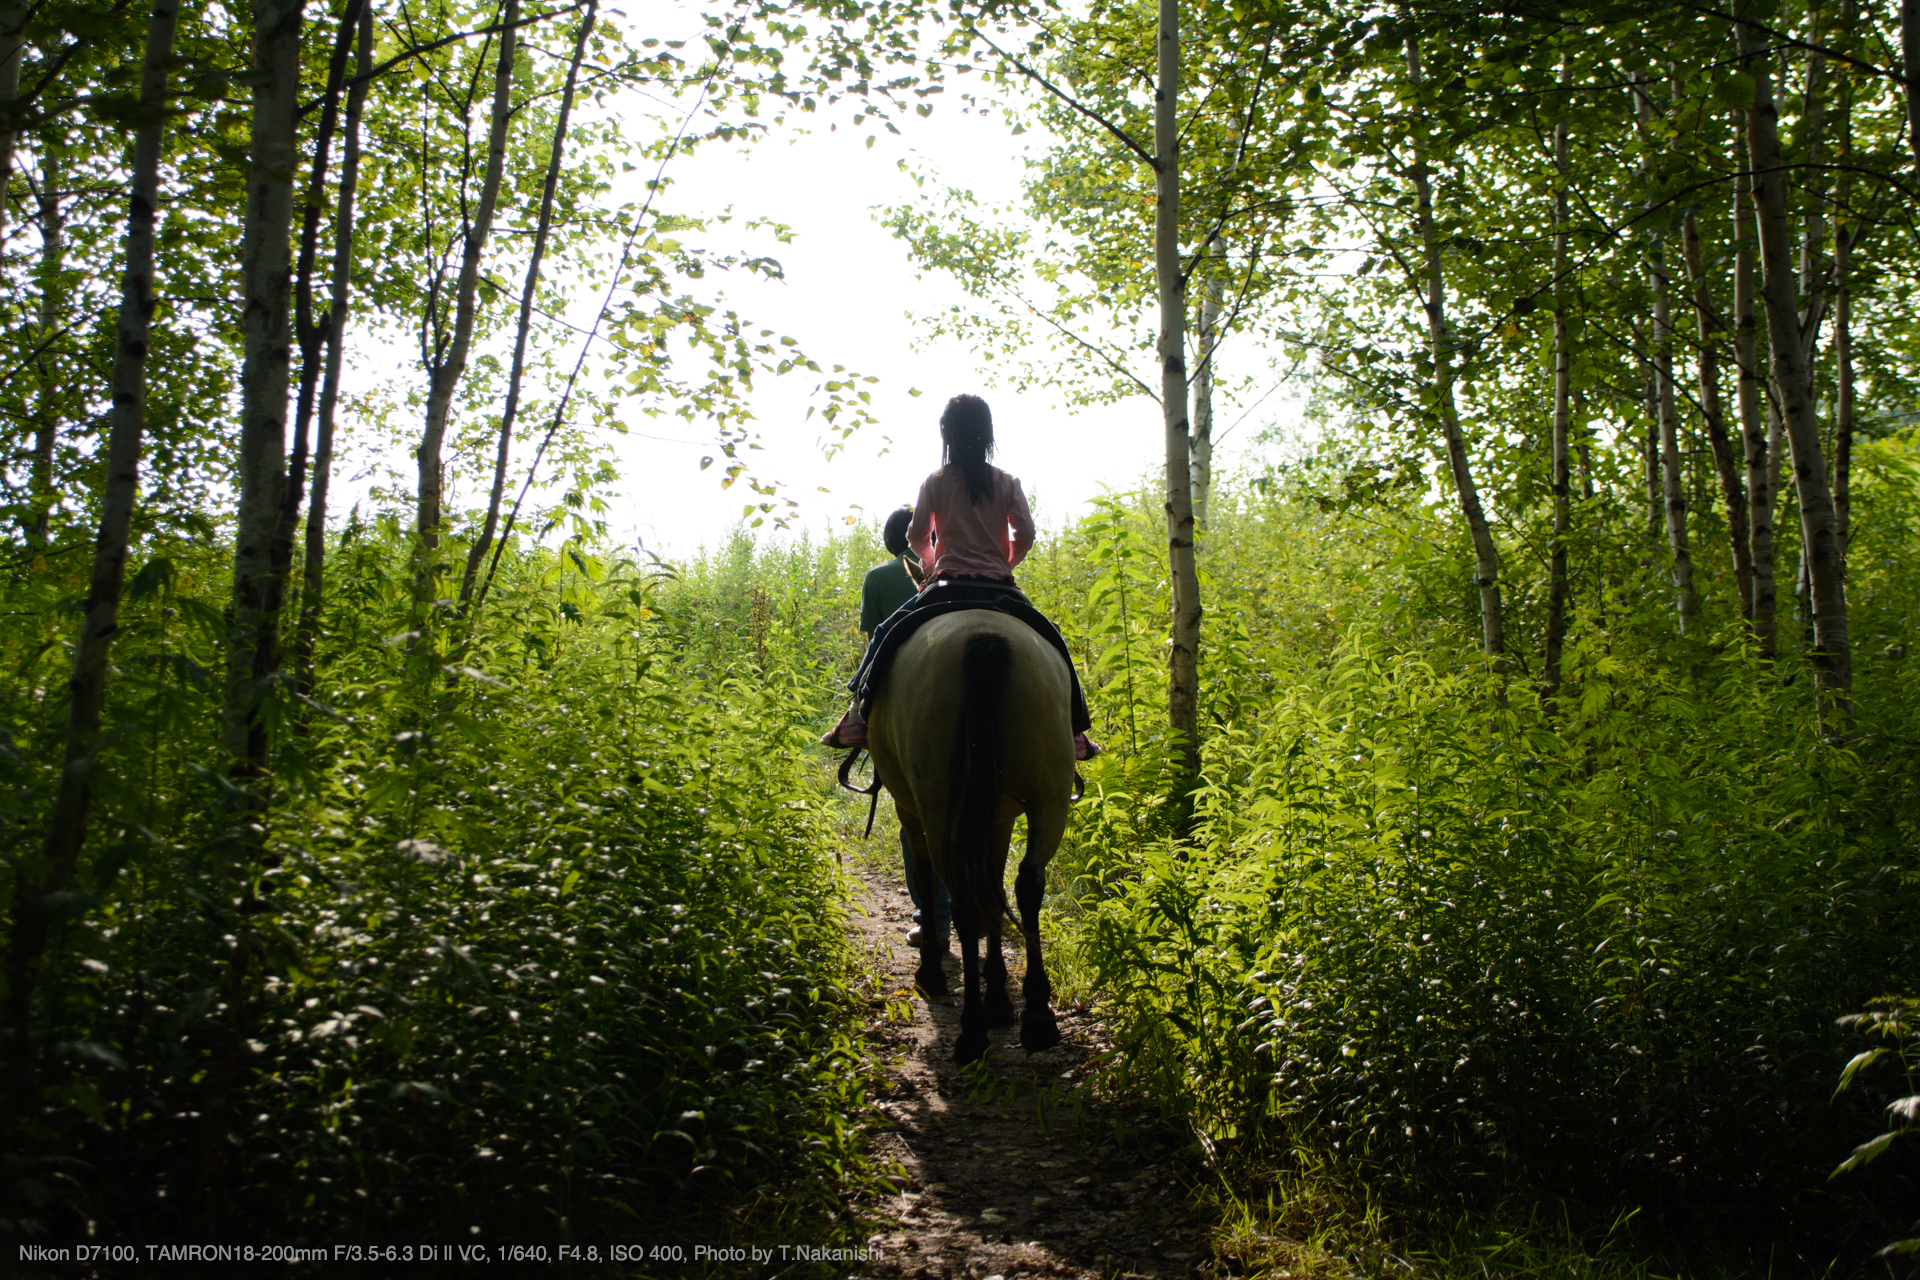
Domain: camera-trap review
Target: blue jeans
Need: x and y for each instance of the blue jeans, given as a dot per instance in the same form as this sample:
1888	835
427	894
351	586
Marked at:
942	922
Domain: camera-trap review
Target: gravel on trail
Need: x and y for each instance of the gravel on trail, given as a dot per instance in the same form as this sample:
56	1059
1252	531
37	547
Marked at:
992	1188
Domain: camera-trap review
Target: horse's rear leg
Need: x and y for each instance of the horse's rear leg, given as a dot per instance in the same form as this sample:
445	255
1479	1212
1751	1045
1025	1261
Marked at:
998	1003
972	1043
930	977
1038	1030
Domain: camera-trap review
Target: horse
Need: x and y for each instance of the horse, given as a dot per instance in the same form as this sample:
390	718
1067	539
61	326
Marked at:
969	731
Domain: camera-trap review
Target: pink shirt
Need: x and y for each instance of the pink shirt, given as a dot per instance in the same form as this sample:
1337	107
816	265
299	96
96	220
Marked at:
988	538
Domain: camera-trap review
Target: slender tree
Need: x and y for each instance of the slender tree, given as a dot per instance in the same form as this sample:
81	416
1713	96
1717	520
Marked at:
517	372
1183	678
1713	412
313	574
59	855
446	357
1486	560
1562	415
1846	232
1755	422
1910	64
1673	492
51	394
309	333
266	332
13	45
1793	375
1210	309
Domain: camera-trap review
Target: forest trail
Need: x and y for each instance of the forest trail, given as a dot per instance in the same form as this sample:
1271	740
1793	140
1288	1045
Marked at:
993	1187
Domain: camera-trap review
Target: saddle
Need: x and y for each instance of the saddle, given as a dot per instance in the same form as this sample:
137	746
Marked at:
943	596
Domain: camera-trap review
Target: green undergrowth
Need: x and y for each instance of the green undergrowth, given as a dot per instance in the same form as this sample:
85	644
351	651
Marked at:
1450	955
539	939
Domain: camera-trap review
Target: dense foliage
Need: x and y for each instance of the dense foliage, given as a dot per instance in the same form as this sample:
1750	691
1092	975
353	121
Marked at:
1429	922
539	940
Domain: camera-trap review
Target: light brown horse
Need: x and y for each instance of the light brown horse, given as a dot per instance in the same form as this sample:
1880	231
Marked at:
969	732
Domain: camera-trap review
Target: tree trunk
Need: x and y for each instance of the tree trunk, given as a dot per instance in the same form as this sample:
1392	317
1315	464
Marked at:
266	267
1813	236
478	552
1910	63
1755	426
13	44
1833	657
1650	436
1183	659
1846	234
1210	308
308	335
313	574
51	393
1486	562
1714	413
1562	413
446	367
59	856
1673	497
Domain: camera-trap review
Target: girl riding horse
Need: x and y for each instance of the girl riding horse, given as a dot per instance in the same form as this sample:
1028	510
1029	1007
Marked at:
971	528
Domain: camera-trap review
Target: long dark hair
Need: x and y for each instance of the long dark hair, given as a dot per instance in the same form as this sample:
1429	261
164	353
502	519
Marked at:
966	429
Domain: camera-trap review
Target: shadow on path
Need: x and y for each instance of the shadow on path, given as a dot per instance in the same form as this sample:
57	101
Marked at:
1004	1175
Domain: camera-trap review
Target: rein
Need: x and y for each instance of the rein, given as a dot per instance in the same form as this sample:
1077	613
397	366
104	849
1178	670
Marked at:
873	789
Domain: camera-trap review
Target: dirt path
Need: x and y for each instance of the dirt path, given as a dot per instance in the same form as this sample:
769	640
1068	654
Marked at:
991	1190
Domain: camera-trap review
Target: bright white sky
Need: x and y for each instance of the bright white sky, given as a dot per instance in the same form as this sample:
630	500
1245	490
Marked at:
847	298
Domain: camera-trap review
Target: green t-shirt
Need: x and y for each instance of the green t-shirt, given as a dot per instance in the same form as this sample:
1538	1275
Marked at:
887	588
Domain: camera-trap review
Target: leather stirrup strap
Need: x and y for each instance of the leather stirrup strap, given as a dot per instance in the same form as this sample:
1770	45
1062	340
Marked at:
872	789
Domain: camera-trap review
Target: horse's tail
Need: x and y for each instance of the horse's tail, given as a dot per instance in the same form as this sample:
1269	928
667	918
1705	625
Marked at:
985	665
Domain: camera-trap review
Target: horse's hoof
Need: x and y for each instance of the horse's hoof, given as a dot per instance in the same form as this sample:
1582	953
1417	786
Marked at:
933	985
970	1048
1039	1032
1000	1013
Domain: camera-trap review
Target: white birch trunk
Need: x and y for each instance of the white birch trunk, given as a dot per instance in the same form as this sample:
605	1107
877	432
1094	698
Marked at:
1183	691
1562	410
1833	657
1486	562
59	853
266	335
1210	308
13	45
1755	430
1673	496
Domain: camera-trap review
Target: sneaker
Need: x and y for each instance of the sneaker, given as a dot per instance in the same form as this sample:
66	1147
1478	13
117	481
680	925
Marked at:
918	934
1084	748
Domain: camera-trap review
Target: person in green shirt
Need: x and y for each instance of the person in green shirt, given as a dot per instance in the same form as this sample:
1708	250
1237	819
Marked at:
887	587
890	585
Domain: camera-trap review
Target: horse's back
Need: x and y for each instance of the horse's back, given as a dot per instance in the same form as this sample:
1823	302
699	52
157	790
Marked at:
912	722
